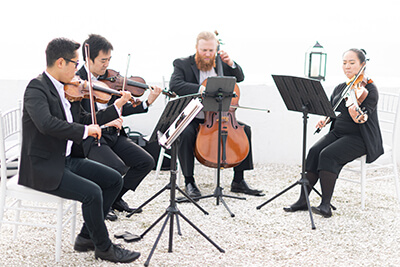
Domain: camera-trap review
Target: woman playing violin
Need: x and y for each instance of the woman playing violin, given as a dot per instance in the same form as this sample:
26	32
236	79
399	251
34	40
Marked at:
355	132
117	150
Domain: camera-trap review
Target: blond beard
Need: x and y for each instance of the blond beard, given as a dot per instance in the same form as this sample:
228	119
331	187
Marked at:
204	65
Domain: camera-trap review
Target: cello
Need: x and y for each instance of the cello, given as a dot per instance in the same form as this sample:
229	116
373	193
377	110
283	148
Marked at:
234	142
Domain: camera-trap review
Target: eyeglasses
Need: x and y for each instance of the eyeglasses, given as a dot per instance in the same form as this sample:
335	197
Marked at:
75	62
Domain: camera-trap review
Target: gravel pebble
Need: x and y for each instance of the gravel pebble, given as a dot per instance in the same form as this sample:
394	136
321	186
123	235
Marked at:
264	237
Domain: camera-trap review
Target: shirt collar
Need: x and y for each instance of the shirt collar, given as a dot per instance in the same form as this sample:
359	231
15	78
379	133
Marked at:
57	84
88	72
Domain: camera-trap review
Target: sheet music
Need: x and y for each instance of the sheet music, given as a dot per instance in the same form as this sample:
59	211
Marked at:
180	123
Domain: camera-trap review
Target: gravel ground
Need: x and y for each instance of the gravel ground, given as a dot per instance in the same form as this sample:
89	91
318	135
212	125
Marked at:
265	237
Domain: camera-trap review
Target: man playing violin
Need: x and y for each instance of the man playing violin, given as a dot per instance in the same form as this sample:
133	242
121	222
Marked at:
50	125
117	150
189	73
351	135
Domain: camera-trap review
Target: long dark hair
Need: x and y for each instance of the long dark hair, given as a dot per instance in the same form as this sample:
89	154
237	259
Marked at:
361	54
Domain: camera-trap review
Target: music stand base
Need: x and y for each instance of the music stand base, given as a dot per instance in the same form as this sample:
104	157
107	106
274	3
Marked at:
171	212
168	186
219	198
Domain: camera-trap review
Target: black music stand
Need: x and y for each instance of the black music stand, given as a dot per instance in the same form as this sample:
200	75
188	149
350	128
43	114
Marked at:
217	98
171	112
171	135
307	96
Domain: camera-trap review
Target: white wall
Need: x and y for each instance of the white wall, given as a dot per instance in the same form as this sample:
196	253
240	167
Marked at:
277	136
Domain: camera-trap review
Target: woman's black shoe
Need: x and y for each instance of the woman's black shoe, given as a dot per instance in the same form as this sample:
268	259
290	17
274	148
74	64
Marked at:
296	207
324	210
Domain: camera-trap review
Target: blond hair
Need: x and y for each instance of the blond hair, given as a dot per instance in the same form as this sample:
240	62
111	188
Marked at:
205	35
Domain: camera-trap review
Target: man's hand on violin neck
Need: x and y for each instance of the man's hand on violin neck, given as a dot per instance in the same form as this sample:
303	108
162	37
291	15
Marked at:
125	97
155	91
94	131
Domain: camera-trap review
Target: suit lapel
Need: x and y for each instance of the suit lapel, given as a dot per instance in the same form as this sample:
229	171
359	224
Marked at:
54	92
195	69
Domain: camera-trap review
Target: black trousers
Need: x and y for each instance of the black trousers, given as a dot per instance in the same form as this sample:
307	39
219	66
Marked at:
187	143
96	186
122	154
333	151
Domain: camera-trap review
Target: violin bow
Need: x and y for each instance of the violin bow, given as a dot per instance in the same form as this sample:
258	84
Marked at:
126	73
126	77
91	95
344	94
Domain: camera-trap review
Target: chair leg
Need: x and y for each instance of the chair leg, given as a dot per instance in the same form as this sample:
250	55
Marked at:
178	168
60	207
2	208
363	180
396	178
17	219
73	223
160	161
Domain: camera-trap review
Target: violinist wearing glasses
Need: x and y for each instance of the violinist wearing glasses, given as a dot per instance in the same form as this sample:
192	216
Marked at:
355	132
187	78
117	150
50	125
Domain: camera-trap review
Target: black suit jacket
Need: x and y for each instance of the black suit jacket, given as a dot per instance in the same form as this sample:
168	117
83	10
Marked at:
45	132
185	78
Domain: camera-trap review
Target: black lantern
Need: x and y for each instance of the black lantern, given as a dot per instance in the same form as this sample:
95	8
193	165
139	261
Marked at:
315	63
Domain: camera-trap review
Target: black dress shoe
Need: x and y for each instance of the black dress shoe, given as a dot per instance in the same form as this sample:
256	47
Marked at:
83	244
121	205
324	210
111	216
296	207
192	190
117	254
242	187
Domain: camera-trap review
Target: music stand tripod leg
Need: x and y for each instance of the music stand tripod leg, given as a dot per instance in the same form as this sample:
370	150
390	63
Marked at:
168	186
191	200
172	211
279	194
303	181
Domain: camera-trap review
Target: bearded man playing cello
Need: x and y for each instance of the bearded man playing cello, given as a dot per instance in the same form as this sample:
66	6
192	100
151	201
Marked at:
189	73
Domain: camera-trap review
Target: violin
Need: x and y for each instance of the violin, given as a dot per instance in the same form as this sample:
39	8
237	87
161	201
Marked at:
359	90
77	89
135	85
234	142
358	93
354	94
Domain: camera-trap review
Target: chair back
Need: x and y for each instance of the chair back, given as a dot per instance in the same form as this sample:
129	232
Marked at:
388	112
10	140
